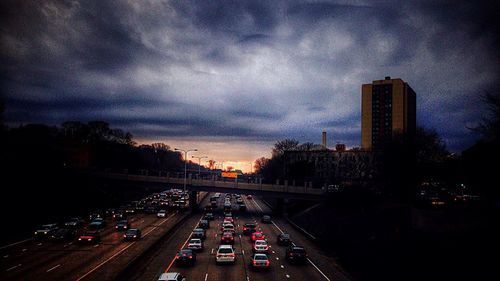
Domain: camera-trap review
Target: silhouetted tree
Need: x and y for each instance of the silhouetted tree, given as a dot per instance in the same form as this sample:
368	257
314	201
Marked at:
283	145
260	164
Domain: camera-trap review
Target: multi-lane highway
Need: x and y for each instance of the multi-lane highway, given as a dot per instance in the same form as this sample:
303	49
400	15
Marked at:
115	259
319	266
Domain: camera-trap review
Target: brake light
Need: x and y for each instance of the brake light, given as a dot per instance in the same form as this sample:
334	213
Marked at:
190	257
254	262
231	255
267	263
124	236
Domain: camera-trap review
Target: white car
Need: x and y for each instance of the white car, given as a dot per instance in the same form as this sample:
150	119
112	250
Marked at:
162	214
260	261
260	246
171	276
225	253
195	244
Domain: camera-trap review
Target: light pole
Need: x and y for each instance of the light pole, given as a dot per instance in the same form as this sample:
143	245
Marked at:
185	163
199	163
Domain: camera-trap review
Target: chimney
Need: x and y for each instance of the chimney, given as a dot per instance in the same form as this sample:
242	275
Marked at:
323	139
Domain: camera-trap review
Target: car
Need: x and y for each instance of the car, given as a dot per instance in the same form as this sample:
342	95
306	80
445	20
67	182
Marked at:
97	223
296	254
284	239
122	225
185	257
260	261
95	215
195	244
209	216
198	233
260	246
249	228
63	234
161	213
266	219
119	215
90	237
46	230
172	276
74	222
258	236
204	224
225	254
229	219
227	238
249	197
228	228
132	234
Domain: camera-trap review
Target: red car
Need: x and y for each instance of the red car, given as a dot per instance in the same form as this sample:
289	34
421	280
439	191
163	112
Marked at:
258	236
227	238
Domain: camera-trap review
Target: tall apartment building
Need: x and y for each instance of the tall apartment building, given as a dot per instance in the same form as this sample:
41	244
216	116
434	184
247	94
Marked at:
388	107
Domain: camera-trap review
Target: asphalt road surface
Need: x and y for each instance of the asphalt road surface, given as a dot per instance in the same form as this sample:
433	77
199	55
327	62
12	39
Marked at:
319	266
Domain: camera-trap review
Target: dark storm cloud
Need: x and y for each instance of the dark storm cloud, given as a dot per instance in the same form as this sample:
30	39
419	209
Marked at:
248	69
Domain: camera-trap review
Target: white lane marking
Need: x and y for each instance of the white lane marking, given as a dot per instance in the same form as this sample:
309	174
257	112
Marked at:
318	269
277	258
15	243
277	227
248	278
49	270
212	252
15	266
206	276
6	256
97	245
24	250
243	252
282	266
155	227
39	244
307	258
287	276
119	252
257	204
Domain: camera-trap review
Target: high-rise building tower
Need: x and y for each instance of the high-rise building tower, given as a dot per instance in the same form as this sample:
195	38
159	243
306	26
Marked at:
388	107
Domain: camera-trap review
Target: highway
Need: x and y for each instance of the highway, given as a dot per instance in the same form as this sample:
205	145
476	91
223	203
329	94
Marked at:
115	259
319	266
34	259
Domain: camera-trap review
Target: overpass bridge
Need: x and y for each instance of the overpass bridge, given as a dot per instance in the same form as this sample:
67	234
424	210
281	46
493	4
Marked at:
282	192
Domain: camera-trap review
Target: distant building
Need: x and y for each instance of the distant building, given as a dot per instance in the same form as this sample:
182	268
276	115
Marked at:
388	107
328	166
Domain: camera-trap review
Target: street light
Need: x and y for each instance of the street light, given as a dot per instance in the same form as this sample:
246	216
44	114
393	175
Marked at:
185	163
199	163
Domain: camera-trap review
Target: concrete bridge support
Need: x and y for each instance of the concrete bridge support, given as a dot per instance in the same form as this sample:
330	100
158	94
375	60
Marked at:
193	201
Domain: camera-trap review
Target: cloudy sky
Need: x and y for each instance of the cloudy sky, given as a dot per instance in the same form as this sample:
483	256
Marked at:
232	77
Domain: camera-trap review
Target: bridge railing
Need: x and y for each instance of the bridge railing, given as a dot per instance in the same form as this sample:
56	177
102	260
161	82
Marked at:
216	183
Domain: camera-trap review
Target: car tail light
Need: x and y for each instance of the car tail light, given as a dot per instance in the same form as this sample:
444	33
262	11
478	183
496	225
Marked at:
124	235
190	257
266	247
244	228
267	263
254	262
176	257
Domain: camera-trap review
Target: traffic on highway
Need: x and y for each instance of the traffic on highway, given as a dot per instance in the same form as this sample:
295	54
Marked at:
231	237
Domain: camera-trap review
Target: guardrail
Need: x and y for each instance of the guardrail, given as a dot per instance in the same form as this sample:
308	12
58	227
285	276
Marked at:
285	188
